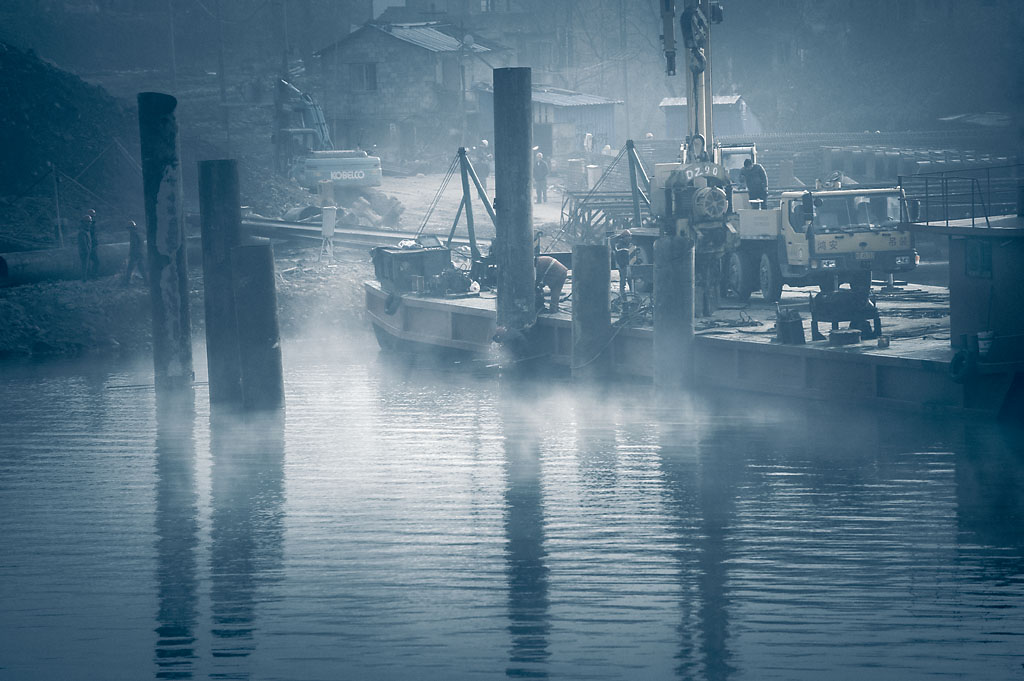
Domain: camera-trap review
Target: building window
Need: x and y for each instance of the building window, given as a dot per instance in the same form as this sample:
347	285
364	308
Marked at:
364	76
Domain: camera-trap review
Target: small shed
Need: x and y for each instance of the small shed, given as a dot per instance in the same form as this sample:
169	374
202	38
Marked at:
986	281
986	306
732	117
562	118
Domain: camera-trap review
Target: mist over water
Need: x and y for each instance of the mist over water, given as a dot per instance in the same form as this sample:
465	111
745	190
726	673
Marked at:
415	523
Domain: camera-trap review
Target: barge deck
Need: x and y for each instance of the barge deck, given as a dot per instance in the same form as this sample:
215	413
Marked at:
736	349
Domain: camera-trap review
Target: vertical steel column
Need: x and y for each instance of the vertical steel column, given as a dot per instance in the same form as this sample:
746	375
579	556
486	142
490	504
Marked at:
259	340
221	219
165	241
513	121
591	311
468	202
633	188
673	312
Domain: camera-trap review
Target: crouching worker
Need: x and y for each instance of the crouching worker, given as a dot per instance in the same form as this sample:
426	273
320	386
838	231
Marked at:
550	273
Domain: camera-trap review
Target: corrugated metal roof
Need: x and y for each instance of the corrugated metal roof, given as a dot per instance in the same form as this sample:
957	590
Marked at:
558	97
717	99
427	37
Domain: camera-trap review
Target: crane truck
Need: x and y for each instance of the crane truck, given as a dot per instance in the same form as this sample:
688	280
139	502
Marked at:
820	237
813	237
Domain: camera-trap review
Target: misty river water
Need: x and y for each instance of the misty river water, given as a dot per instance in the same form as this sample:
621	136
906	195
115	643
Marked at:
417	523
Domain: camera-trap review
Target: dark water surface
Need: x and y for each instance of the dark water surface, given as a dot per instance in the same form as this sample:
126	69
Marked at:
414	524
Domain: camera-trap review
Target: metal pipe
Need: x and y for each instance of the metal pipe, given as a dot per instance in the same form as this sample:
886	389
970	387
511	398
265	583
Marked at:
259	338
467	200
480	191
221	225
165	238
591	312
27	267
673	312
513	122
634	190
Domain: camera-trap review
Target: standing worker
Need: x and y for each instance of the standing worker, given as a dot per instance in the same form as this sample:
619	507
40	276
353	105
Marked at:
540	177
697	152
482	163
550	273
756	180
85	244
135	257
622	246
94	252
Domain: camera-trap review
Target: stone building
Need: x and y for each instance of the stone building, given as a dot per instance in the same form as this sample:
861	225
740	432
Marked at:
404	88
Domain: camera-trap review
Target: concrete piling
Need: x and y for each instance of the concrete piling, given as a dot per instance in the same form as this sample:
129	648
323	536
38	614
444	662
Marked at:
221	220
165	239
513	121
259	339
673	312
591	312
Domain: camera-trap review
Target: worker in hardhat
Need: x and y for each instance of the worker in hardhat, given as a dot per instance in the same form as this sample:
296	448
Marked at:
622	247
86	244
540	177
756	179
136	258
482	162
697	151
552	274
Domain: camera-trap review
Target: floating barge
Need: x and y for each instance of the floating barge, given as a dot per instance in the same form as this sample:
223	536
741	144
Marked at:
953	351
912	373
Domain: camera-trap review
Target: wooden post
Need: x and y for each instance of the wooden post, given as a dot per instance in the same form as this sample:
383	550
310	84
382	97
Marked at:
673	312
259	340
165	241
221	219
513	121
591	312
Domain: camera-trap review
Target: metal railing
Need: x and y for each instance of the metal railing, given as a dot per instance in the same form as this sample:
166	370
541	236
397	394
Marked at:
965	194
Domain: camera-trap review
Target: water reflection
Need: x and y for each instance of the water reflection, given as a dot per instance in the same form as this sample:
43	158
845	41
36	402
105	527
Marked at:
247	498
990	497
177	532
528	602
701	477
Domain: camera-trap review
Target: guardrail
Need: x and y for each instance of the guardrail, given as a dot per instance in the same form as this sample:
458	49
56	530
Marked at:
975	194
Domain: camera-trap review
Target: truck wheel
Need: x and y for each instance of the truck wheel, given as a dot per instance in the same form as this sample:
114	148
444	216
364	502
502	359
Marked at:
770	278
735	278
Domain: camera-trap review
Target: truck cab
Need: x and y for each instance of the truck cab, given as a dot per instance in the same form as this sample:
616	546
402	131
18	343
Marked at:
825	238
732	156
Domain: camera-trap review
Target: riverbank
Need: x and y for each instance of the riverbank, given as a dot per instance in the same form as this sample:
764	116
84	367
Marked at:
103	316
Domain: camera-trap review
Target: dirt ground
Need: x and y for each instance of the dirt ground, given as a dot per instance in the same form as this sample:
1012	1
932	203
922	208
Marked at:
417	192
